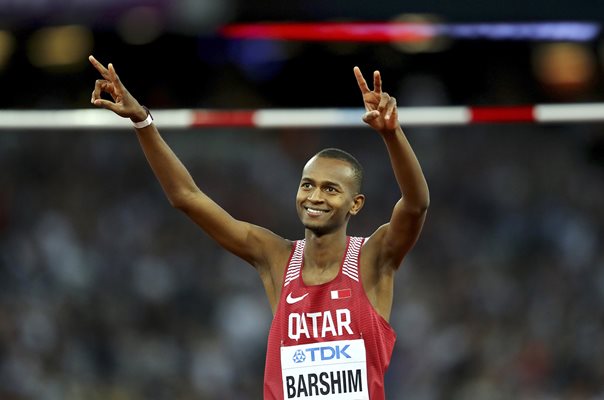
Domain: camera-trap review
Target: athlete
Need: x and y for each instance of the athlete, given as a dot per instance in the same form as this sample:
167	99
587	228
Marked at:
330	294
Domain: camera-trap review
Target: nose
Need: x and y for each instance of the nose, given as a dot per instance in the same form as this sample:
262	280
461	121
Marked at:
315	195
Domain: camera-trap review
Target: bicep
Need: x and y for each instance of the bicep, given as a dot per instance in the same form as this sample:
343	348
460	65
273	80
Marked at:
396	238
250	242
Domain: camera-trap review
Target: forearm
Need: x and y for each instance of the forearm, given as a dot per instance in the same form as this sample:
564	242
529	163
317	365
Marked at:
183	194
407	170
174	178
172	175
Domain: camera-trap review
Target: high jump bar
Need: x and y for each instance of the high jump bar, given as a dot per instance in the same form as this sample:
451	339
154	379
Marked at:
304	117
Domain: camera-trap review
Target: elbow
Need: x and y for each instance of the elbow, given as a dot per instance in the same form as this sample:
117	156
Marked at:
425	204
177	203
181	201
419	207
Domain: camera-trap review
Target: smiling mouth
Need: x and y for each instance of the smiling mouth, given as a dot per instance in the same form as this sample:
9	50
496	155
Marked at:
315	211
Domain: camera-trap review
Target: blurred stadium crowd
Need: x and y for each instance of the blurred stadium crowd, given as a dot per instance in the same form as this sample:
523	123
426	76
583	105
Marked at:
106	292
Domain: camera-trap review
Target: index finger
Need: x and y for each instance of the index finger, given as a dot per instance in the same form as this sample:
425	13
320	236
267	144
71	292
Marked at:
99	67
361	80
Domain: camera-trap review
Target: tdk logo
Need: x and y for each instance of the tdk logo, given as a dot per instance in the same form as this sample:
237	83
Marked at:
299	356
323	353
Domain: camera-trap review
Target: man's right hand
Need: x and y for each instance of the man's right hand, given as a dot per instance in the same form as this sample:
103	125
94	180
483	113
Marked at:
123	104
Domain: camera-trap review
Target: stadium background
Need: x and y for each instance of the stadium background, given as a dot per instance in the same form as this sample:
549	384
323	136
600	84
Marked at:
108	293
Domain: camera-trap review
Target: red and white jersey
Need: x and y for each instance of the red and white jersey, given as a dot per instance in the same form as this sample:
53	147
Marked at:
327	341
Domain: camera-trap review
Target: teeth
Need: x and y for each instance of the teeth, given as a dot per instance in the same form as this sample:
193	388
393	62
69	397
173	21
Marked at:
315	211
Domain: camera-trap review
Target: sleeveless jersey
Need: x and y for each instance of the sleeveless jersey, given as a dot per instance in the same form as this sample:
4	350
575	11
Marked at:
327	341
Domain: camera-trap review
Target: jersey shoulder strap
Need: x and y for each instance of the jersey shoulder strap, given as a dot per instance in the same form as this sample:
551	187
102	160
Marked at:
350	268
294	266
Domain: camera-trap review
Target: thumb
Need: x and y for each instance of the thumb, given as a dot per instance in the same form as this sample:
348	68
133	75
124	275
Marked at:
370	116
107	105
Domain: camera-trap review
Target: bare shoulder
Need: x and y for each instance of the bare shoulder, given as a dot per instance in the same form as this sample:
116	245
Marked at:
371	262
271	266
373	247
388	246
377	273
275	249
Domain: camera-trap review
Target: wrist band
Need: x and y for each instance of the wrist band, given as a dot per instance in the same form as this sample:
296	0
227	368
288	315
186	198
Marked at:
148	121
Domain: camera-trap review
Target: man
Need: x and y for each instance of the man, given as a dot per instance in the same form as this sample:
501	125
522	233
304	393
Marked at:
330	294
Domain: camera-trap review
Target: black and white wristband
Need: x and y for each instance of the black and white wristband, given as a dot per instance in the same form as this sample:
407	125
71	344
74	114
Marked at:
143	124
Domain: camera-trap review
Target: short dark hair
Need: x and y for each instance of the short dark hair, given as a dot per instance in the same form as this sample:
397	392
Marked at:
339	154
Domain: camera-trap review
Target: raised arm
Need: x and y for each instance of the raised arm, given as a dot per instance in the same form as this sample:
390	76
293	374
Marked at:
256	245
393	240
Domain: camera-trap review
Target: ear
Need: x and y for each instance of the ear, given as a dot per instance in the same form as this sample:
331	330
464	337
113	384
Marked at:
357	203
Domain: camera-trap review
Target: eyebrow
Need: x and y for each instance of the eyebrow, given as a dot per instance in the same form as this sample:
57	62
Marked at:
323	183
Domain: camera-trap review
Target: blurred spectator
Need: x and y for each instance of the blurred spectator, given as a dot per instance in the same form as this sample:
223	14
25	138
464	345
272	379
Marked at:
108	293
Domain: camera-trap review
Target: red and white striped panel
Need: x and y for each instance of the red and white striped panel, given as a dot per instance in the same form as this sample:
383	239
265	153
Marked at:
304	118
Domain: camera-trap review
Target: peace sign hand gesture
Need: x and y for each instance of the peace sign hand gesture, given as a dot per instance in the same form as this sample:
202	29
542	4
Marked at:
382	114
123	104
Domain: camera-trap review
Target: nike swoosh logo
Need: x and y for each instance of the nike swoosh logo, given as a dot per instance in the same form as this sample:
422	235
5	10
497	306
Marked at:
291	300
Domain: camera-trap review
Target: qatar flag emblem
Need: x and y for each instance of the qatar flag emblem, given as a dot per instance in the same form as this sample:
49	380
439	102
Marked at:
341	294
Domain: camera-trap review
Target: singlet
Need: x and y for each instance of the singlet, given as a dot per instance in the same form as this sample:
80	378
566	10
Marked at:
327	341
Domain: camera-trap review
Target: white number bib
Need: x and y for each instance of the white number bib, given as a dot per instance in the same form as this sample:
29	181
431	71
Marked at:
330	370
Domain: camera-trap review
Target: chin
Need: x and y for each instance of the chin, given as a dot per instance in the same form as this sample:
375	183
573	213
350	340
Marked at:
318	229
313	226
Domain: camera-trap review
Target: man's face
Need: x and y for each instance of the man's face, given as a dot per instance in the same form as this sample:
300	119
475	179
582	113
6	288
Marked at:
326	195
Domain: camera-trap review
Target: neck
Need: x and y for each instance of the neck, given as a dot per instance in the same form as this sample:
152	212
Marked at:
324	251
